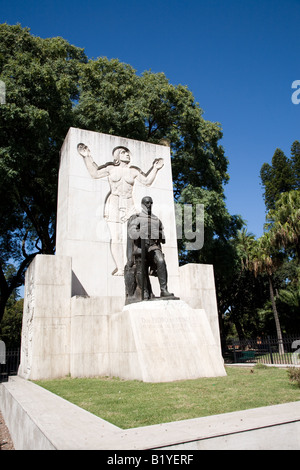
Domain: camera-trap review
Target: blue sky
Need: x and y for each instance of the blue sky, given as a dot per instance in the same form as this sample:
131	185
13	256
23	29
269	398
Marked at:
238	57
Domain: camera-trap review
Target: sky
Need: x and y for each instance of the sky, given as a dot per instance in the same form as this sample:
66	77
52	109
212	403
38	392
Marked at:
239	58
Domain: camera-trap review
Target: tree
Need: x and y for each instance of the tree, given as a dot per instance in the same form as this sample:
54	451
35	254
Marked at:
41	77
283	175
219	230
11	325
284	231
284	223
291	295
247	292
265	260
295	158
277	178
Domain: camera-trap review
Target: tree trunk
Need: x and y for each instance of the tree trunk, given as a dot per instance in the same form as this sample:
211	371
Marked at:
277	322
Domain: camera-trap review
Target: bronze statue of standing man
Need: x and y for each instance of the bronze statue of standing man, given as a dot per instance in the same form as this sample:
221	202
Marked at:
145	256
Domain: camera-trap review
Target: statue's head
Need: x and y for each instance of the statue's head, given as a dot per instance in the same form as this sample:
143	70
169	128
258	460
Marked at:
147	203
121	154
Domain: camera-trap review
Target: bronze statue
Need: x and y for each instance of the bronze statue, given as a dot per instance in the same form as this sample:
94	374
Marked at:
145	235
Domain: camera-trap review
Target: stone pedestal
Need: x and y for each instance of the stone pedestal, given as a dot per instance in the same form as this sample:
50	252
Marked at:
163	341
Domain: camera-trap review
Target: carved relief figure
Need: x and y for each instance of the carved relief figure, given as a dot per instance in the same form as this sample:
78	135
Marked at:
119	204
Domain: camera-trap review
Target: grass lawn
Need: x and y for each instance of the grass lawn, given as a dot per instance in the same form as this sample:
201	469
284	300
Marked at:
129	404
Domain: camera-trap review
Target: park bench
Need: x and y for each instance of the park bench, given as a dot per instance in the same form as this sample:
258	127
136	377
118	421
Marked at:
246	356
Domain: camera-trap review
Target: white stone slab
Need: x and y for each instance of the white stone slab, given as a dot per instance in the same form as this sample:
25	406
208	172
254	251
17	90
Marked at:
90	336
82	229
198	290
161	341
45	343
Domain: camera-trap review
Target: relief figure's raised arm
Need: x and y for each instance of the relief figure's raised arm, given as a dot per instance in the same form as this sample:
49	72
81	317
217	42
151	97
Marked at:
148	178
94	170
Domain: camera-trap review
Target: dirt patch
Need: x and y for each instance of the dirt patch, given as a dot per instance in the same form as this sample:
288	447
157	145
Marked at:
6	442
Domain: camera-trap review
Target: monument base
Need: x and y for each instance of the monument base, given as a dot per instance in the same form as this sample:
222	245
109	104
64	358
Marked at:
152	341
163	341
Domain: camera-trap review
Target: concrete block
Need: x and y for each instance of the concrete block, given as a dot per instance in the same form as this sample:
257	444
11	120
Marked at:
45	343
166	340
89	336
198	291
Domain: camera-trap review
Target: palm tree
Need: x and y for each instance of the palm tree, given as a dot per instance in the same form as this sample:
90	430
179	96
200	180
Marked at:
284	222
241	244
245	243
291	295
264	260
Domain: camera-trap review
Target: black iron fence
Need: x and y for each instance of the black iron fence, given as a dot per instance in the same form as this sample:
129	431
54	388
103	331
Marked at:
265	350
10	365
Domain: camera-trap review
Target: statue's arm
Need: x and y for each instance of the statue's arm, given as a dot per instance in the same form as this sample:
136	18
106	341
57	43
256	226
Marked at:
94	170
148	178
162	237
134	228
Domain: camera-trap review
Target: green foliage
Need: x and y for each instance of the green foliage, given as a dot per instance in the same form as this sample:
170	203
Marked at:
41	78
283	175
11	325
284	223
247	293
219	229
291	295
273	258
295	159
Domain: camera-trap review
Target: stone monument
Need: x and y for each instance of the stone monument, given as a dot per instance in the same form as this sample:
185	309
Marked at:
75	319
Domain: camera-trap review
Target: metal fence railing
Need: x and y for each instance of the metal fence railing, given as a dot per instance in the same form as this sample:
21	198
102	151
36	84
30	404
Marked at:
265	350
9	366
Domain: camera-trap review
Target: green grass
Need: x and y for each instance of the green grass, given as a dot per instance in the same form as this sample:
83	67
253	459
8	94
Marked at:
129	404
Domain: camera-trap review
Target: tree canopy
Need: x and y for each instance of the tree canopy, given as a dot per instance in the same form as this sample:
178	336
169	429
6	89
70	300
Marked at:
41	79
51	86
283	175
